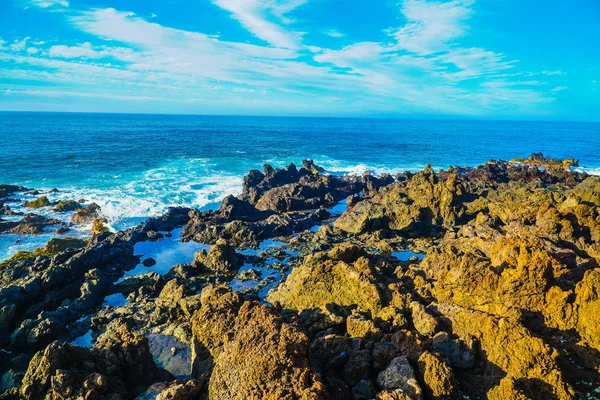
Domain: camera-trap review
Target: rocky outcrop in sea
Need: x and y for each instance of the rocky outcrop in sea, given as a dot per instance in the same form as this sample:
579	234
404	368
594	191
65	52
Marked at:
468	283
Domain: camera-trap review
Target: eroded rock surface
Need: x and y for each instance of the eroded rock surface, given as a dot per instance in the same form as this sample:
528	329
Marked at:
479	283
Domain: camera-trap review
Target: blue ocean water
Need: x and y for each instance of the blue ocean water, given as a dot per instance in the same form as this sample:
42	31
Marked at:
135	166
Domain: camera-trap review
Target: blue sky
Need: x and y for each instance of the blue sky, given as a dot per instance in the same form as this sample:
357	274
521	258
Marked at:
414	58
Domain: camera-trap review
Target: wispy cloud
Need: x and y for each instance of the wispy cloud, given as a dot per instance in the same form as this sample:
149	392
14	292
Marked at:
264	19
50	3
334	33
432	25
419	67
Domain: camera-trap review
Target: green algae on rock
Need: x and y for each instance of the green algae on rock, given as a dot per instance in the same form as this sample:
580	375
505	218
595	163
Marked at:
67	205
38	203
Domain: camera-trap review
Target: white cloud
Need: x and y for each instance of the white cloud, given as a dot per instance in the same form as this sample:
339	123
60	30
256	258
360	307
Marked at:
432	25
86	50
255	16
334	33
417	70
50	3
474	62
560	88
32	50
546	73
19	45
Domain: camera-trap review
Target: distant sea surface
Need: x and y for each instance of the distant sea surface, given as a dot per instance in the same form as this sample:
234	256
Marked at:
135	166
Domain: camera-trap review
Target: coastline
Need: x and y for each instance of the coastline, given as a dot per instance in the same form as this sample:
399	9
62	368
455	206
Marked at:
380	285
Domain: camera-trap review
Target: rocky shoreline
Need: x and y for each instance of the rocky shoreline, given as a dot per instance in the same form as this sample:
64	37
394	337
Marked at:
469	283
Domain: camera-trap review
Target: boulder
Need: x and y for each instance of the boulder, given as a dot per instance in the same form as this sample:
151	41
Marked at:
86	215
400	375
67	205
220	258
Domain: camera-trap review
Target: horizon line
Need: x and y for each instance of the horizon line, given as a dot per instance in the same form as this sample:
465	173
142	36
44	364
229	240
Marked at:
424	117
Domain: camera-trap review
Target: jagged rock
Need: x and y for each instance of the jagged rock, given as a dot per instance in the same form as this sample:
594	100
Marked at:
38	203
179	390
220	258
117	366
364	390
67	205
319	319
588	307
86	215
511	347
8	190
416	207
356	367
360	326
424	323
98	227
320	281
256	354
437	376
508	389
400	375
31	224
249	275
460	354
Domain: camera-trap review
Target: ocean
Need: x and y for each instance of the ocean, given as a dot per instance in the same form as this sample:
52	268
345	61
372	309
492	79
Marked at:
135	166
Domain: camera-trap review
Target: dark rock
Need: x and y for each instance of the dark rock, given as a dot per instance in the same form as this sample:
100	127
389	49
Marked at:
149	262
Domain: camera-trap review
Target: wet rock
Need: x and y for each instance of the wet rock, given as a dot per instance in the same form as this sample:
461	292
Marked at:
249	275
98	227
8	190
31	224
153	235
62	230
86	215
38	203
67	205
149	262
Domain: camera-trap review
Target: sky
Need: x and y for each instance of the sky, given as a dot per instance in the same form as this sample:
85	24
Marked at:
500	59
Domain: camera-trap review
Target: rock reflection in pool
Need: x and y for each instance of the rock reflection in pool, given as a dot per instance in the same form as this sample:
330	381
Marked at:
262	247
114	300
166	252
84	340
407	255
272	277
171	354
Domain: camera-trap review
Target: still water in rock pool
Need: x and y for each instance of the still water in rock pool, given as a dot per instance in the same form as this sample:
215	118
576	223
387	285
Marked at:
167	252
